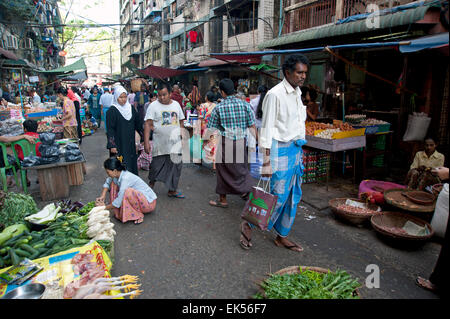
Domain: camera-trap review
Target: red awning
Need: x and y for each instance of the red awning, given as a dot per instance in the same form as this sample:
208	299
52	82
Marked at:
161	72
239	58
8	54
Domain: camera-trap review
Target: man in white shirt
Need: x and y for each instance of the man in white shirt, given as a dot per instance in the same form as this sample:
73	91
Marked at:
86	93
35	96
106	100
281	139
165	119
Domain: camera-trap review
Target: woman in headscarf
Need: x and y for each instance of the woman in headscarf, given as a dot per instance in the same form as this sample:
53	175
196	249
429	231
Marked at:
123	122
72	94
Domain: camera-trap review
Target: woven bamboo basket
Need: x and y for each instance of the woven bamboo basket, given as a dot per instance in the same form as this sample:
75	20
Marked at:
383	222
296	269
352	217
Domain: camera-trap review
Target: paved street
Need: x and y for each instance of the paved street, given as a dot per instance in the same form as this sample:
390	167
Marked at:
188	249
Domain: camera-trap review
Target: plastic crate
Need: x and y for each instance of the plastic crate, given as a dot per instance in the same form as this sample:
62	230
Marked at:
372	129
383	127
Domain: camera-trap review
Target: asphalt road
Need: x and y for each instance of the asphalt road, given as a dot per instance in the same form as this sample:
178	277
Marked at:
187	249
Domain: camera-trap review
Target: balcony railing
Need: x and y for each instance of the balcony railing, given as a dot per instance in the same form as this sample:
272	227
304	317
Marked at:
306	14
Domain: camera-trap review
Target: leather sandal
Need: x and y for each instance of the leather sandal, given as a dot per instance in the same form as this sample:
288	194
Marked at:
218	204
247	243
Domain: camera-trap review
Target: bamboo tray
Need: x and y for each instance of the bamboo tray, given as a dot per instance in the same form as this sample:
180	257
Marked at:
383	223
395	198
352	217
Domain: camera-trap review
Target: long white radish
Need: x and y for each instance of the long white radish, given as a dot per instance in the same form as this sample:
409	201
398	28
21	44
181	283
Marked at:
96	209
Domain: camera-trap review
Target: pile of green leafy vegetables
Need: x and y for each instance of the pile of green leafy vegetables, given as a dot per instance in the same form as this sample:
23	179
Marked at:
14	207
308	284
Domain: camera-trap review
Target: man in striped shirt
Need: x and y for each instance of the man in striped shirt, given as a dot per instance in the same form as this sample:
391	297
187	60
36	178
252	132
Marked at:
232	118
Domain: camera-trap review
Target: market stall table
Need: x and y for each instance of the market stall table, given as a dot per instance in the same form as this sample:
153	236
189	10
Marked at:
55	179
336	145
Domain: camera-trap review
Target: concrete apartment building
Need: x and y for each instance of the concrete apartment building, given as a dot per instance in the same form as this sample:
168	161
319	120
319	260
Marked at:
162	36
29	39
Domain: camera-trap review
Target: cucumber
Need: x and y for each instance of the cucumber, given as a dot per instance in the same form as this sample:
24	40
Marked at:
43	252
29	249
21	242
37	235
13	240
39	245
22	253
34	256
51	242
15	260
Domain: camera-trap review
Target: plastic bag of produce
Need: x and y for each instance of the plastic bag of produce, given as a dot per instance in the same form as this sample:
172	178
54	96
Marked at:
72	146
49	150
49	160
417	127
73	158
76	152
47	138
30	161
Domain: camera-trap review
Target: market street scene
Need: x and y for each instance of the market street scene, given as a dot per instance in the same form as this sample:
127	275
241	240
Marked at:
224	150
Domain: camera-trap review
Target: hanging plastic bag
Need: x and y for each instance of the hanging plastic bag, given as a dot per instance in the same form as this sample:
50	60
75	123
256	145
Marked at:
417	127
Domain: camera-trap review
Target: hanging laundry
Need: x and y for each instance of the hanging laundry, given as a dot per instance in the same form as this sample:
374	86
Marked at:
192	35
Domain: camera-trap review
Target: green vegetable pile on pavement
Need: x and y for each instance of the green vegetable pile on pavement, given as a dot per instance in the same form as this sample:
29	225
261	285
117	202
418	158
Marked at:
63	231
14	207
309	284
66	232
48	214
86	208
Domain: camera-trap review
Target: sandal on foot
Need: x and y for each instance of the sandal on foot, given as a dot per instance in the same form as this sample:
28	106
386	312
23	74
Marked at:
138	221
218	204
177	195
244	241
245	196
294	247
426	284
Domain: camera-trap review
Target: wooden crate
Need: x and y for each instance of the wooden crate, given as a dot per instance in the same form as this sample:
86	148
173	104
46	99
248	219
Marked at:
53	183
75	174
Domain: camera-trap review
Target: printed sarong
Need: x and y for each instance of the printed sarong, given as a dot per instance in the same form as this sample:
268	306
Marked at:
287	166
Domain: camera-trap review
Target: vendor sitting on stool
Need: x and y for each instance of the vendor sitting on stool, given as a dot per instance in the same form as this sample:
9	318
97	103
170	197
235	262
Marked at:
419	175
130	196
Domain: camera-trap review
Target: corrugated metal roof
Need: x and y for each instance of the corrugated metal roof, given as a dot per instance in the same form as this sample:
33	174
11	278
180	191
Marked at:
333	30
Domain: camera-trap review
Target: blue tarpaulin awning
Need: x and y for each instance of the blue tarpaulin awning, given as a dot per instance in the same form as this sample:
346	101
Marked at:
430	42
406	46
